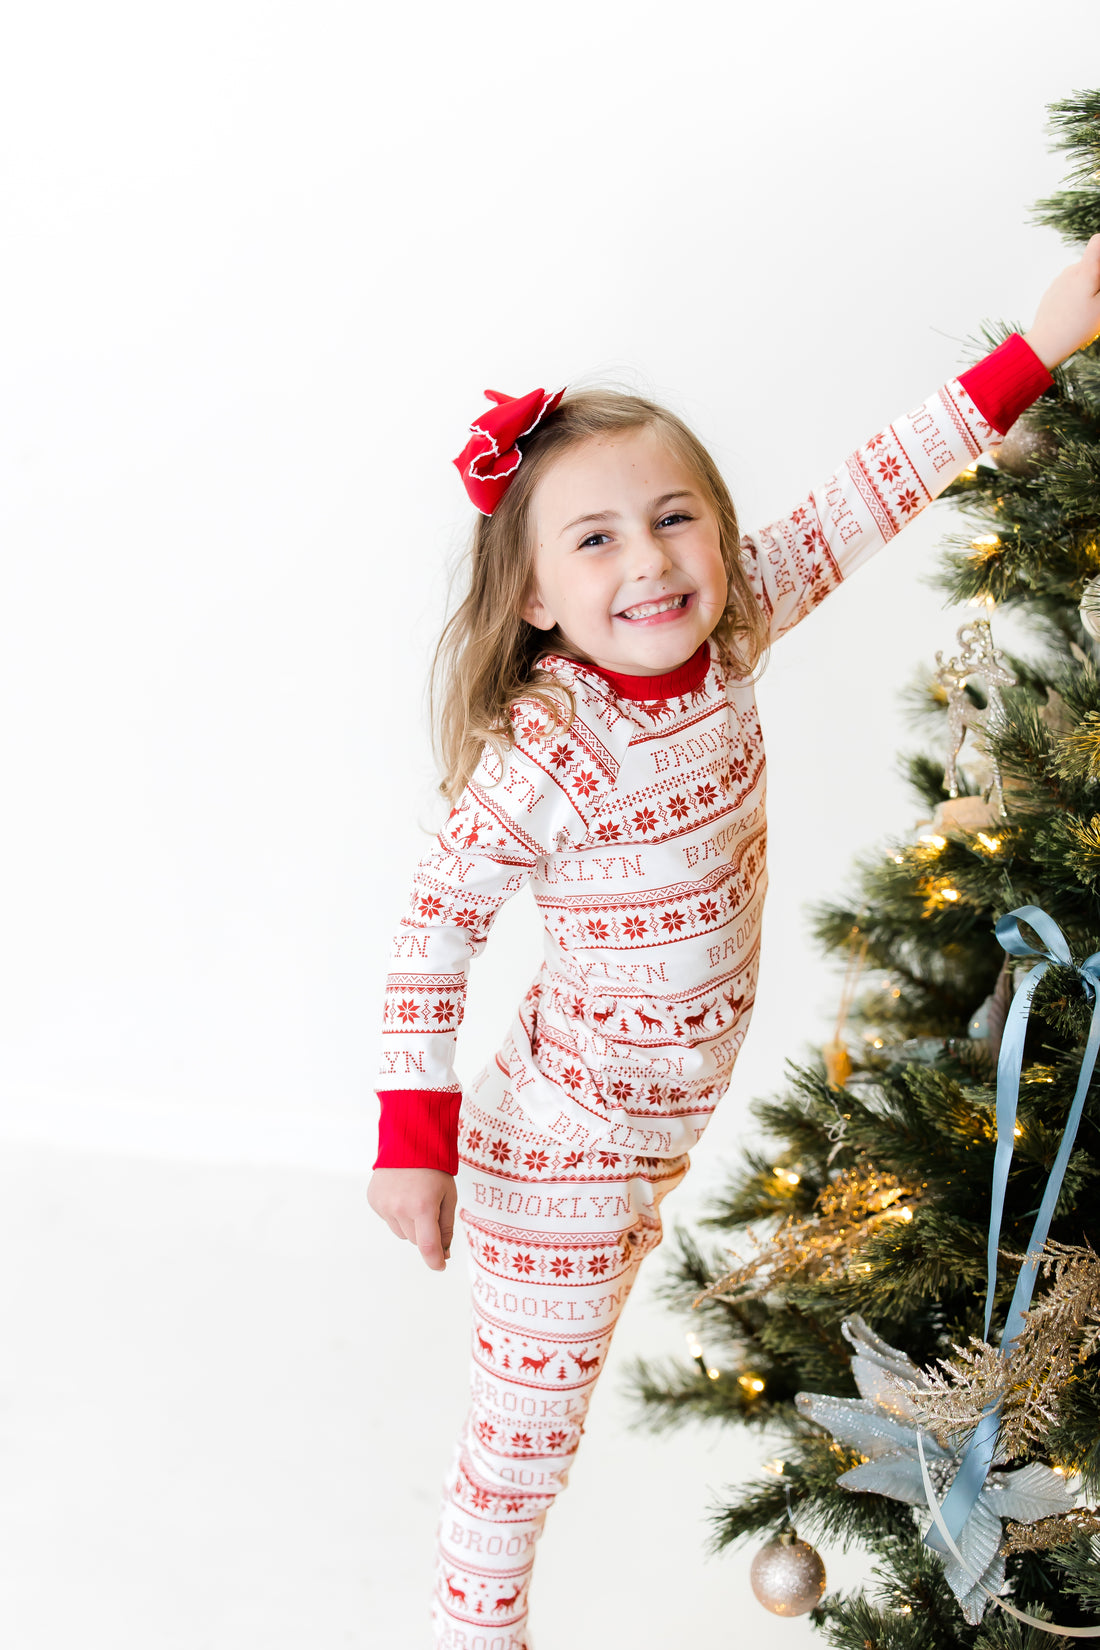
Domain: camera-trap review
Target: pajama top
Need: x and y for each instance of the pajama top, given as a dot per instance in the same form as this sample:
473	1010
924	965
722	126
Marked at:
642	832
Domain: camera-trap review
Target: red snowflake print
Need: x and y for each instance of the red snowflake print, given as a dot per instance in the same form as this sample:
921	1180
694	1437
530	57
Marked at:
798	516
875	441
407	1011
509	1506
708	910
485	1431
672	921
608	831
575	1008
676	1094
536	1161
524	1264
586	783
889	469
739	768
430	906
561	1266
598	1264
467	917
573	1161
621	1089
474	1139
444	1011
532	728
596	929
500	1151
678	806
479	1498
561	756
555	1440
608	1160
522	1440
633	928
491	1254
654	1095
907	502
573	1077
706	795
645	819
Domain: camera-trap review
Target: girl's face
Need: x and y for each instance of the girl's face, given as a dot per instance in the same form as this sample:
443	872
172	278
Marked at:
620	524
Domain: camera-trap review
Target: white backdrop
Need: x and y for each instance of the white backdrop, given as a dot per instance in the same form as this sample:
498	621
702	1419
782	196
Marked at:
259	262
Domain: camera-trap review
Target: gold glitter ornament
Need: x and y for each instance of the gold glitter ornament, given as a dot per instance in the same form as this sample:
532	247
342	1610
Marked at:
788	1576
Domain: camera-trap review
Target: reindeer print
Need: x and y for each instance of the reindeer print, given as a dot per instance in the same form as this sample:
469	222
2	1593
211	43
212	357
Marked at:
647	1021
457	1595
509	1603
536	1365
486	1346
602	1015
695	1021
585	1365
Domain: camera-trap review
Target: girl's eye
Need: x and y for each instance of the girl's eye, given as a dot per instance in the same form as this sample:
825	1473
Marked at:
676	515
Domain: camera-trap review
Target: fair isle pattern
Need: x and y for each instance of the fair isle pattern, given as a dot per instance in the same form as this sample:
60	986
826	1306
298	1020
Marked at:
554	1242
641	831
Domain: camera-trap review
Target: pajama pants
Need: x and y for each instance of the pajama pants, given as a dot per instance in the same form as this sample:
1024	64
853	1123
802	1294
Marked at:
554	1241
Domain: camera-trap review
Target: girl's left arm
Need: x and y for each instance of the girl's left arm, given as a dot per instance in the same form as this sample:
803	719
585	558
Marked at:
795	562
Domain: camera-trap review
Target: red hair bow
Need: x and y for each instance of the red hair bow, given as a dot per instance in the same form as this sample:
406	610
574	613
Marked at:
491	458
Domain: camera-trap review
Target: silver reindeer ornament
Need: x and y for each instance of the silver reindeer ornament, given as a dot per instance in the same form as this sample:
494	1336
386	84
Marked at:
977	657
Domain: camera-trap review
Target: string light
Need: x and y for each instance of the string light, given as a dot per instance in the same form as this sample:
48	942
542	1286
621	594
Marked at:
937	842
775	1467
1018	1131
899	859
751	1383
989	843
788	1176
950	893
986	542
696	1350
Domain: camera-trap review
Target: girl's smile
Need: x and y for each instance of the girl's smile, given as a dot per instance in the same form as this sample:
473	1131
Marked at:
628	558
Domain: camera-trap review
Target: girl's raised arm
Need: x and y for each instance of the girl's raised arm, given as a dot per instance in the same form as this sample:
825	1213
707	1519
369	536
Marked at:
795	562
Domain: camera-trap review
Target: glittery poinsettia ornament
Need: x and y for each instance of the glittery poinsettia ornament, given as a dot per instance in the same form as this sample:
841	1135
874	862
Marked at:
882	1424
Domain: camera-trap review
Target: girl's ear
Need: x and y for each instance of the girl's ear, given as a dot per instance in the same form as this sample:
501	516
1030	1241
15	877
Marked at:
537	614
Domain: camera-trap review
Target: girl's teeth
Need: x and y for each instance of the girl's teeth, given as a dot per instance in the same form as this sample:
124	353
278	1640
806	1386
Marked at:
650	608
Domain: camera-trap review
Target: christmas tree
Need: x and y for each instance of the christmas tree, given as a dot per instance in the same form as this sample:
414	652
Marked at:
851	1271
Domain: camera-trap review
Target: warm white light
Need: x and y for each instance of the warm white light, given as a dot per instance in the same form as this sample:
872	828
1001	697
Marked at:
713	1373
899	859
950	893
936	841
986	542
990	843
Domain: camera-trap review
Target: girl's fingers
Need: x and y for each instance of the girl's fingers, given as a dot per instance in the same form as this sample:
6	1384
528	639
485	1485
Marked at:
426	1238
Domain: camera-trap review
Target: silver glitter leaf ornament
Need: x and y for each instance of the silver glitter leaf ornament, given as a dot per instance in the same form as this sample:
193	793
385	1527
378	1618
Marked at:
882	1425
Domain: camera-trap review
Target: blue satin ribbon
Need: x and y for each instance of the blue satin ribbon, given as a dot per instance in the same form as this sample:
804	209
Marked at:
977	1457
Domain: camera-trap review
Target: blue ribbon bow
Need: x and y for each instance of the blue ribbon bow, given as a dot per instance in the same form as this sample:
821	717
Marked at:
977	1457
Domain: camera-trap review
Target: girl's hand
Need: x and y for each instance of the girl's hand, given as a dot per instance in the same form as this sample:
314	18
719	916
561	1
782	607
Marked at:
418	1204
1068	316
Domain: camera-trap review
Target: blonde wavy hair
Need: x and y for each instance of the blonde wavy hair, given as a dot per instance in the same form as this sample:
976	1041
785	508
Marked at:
485	657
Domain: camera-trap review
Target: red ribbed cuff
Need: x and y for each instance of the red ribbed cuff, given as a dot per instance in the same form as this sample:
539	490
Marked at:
1006	382
418	1129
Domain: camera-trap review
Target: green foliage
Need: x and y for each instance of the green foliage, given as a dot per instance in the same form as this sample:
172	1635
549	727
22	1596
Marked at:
920	1104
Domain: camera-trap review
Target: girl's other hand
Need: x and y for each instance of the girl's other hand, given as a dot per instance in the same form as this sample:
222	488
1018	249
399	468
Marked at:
1068	316
418	1204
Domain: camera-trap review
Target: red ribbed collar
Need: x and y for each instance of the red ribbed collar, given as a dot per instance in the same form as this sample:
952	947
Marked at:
684	679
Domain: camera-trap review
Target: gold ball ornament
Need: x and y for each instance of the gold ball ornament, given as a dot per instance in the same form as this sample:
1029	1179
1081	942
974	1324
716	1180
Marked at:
1025	449
788	1576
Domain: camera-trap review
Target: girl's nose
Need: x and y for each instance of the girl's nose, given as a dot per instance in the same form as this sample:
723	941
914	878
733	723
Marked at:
647	556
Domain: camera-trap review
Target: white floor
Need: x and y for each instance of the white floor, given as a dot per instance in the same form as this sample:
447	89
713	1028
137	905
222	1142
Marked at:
227	1397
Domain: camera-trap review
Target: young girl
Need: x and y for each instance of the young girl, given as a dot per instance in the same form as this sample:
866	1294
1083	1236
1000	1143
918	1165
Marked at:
601	740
